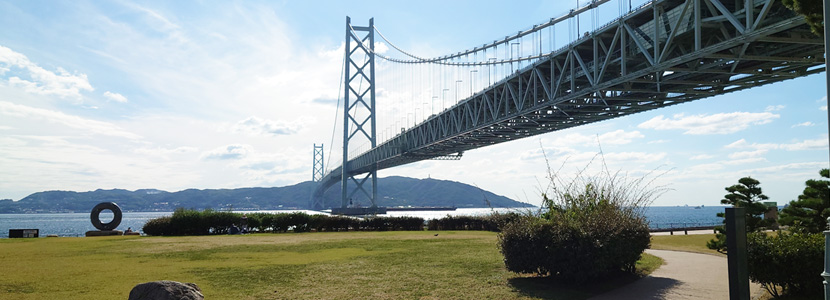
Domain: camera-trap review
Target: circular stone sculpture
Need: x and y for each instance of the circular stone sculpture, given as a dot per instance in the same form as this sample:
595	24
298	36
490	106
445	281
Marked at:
95	216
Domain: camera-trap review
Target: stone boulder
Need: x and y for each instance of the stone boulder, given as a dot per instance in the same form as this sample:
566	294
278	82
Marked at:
166	290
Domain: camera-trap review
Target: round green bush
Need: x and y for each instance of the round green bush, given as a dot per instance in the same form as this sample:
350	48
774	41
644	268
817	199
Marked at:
787	263
576	245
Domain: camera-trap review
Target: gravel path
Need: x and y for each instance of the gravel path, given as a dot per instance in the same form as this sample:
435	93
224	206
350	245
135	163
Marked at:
684	276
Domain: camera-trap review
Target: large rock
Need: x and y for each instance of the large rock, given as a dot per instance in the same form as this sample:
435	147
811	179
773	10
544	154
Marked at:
166	290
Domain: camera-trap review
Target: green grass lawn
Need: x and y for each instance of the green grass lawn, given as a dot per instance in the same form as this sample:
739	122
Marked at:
385	265
688	243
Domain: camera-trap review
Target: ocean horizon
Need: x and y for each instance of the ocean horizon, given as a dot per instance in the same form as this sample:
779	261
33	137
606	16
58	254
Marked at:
77	224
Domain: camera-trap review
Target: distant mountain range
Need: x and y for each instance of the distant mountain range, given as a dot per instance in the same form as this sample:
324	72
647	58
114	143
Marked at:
392	191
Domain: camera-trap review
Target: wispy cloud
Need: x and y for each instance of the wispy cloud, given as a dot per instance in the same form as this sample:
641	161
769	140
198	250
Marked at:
115	97
805	124
324	101
27	75
775	107
164	152
616	137
812	144
748	154
256	126
229	152
811	166
742	161
723	123
701	157
87	125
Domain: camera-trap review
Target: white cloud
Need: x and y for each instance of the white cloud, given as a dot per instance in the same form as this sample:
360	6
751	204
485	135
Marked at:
723	123
229	152
39	114
748	154
163	152
548	152
705	168
701	157
381	48
616	137
39	80
115	97
641	157
774	108
811	166
805	124
742	161
256	126
823	107
814	144
738	144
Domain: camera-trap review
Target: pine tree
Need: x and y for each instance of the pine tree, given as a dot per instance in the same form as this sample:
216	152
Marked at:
809	213
747	194
812	10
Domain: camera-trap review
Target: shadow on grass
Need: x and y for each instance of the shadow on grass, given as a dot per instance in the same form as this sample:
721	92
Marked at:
613	288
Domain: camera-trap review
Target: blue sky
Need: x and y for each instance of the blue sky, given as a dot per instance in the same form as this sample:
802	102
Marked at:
202	94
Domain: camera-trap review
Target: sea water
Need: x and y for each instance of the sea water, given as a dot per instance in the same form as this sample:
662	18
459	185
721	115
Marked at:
77	224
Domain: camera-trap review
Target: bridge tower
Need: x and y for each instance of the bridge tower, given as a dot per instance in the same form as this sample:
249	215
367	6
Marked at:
359	107
317	169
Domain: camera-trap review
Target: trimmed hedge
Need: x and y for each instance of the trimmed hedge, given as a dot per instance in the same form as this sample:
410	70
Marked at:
194	222
787	263
493	222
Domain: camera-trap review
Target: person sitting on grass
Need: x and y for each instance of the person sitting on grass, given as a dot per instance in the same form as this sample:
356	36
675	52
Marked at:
234	229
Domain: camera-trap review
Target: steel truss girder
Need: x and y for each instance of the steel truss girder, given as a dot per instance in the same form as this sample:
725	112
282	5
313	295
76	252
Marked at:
667	53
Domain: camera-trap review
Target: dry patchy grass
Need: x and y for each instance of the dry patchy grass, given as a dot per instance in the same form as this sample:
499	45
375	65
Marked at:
384	265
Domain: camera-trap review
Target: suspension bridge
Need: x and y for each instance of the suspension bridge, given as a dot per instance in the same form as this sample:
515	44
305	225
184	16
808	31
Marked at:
395	108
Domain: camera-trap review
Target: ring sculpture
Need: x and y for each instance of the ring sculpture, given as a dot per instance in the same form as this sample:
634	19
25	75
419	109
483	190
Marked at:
95	216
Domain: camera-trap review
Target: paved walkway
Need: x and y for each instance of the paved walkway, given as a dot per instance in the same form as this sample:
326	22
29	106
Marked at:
684	276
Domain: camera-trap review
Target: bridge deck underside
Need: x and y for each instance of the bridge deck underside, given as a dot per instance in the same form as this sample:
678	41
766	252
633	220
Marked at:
698	49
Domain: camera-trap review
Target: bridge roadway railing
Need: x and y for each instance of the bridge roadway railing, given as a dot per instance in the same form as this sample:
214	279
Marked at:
698	49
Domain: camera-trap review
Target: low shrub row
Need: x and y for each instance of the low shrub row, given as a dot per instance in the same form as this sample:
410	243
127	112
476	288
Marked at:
491	222
194	222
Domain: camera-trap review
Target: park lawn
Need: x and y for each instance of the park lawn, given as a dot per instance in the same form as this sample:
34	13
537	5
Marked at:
385	265
688	243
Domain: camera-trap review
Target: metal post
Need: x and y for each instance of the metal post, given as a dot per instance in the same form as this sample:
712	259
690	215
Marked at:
827	58
736	253
826	273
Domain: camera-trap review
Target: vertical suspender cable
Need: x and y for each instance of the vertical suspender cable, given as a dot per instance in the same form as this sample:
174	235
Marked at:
337	108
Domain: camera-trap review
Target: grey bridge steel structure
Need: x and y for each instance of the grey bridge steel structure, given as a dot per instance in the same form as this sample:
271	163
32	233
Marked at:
663	53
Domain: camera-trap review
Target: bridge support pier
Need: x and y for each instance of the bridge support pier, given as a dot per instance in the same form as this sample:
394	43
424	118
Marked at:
359	109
